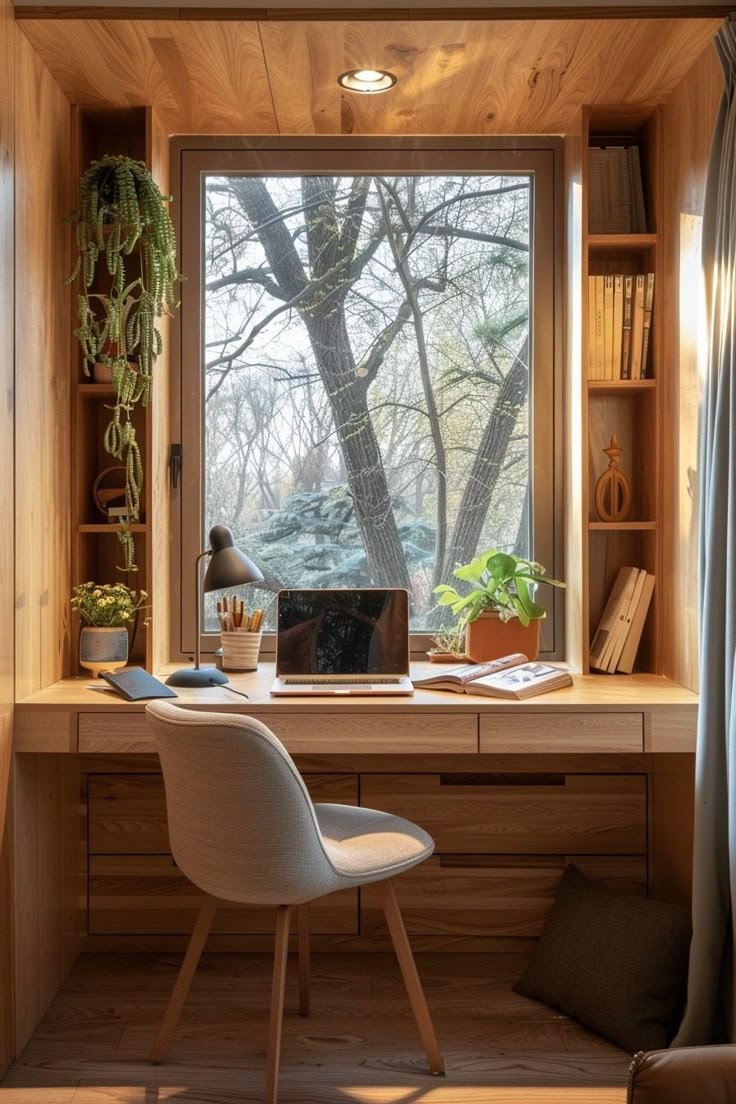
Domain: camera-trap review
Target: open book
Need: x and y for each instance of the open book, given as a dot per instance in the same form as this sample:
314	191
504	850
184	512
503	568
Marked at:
512	676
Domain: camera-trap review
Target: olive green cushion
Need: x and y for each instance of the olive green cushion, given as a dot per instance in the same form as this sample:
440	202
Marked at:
615	962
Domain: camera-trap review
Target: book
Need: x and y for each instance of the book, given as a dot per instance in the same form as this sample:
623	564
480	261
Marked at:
457	678
598	330
624	629
524	681
626	330
615	190
631	646
608	327
618	321
592	366
637	328
618	627
648	304
609	619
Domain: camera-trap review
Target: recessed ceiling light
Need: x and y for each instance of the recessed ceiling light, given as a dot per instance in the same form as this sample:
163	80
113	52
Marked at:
367	81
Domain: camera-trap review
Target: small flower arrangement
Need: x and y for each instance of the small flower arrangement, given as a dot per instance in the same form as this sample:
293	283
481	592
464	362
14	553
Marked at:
107	605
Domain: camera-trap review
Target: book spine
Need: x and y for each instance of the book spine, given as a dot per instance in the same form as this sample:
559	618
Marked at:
592	366
618	318
599	342
608	327
648	304
626	333
637	328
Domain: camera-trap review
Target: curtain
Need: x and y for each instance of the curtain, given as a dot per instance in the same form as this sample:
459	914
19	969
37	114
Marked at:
710	1015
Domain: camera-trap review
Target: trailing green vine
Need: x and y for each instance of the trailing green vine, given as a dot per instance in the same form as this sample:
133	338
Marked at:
121	209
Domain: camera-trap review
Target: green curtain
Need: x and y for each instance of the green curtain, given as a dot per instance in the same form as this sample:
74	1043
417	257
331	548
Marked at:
710	1015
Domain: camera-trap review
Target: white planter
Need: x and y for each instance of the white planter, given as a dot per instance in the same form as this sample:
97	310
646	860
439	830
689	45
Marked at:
240	650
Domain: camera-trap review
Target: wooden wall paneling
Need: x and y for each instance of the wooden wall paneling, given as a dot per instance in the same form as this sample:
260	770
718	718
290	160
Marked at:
673	813
42	400
687	122
576	304
7	597
49	890
455	76
158	534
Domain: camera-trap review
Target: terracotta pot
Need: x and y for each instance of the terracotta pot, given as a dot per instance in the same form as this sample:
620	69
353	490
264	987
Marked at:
488	637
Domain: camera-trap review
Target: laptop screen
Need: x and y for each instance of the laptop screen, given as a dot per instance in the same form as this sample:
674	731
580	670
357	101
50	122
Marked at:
342	632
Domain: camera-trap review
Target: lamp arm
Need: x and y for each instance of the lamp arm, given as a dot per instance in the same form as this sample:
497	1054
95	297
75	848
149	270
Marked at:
198	617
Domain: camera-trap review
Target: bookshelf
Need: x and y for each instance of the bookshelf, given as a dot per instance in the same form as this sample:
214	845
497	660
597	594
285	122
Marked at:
628	408
97	552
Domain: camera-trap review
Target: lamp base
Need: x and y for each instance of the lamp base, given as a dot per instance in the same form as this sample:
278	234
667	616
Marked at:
197	677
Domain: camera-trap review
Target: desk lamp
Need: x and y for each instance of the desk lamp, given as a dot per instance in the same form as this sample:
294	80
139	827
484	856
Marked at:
228	567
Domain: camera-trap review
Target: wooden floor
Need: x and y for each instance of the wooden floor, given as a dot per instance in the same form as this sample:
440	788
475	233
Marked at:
359	1046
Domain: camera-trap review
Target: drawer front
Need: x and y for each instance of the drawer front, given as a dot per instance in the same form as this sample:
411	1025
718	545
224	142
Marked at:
561	733
148	895
127	812
497	897
307	734
521	814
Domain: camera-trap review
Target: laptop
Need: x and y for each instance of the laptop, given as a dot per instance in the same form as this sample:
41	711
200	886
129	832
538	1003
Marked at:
342	642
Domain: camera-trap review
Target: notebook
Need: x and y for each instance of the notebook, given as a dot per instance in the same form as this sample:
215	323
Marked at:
135	684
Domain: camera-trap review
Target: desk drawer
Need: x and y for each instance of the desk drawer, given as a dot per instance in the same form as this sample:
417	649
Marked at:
149	895
561	733
492	896
522	814
308	733
127	812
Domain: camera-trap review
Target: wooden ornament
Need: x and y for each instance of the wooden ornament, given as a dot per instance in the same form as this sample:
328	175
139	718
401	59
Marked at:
613	490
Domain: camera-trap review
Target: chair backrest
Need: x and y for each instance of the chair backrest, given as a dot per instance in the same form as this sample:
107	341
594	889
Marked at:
241	823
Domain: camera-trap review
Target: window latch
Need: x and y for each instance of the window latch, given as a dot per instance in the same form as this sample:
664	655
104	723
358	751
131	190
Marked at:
175	465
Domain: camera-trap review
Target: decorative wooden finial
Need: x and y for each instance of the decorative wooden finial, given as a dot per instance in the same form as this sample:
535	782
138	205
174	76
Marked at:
613	490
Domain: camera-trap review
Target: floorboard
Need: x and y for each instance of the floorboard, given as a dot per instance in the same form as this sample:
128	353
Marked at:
358	1046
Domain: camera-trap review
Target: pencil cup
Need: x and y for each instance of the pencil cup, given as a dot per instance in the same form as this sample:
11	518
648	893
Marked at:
240	650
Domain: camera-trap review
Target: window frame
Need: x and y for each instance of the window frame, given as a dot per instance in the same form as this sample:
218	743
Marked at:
541	157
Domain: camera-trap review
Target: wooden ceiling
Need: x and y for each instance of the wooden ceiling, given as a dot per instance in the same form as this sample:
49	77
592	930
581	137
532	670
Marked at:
455	77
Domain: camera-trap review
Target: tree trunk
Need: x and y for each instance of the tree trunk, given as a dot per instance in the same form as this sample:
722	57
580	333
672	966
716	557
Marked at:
366	477
487	465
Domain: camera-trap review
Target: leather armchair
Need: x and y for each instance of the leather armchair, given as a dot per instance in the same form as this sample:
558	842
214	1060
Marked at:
689	1075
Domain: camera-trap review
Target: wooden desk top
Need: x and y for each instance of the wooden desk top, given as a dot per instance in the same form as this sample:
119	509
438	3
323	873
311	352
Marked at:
589	693
597	714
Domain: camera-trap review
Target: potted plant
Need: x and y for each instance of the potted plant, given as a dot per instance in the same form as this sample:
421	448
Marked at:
109	612
449	645
122	211
499	613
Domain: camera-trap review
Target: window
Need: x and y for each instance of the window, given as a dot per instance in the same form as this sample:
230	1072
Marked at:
368	344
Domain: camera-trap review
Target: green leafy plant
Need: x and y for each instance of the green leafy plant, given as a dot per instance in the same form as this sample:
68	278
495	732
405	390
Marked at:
499	582
107	605
122	210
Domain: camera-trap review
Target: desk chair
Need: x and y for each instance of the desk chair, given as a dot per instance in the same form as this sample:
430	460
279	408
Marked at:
243	828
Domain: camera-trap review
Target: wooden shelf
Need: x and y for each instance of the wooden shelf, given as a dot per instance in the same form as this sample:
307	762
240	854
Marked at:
620	387
621	243
622	526
108	527
96	390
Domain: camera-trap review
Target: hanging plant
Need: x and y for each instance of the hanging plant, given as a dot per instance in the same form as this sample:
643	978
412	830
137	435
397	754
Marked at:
122	211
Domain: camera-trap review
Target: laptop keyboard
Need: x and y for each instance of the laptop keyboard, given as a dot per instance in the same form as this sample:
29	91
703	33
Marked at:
338	681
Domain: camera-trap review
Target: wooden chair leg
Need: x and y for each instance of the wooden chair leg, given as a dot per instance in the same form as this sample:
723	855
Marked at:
304	964
409	973
280	955
184	980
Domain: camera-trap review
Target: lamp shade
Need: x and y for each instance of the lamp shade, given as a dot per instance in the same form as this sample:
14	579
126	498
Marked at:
228	566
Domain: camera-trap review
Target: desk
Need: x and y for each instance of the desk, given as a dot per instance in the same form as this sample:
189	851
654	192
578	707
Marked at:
511	792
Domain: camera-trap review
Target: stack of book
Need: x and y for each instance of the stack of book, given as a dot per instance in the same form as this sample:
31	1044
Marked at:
617	637
615	191
619	326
